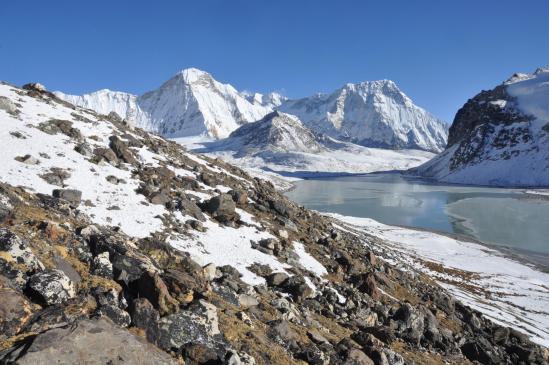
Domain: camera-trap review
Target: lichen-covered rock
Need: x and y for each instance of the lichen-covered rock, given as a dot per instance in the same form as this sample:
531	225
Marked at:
52	286
119	316
198	324
15	251
102	265
92	342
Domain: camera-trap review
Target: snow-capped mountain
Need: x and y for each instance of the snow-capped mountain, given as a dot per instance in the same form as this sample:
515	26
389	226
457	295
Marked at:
277	131
193	103
280	142
499	137
189	104
374	114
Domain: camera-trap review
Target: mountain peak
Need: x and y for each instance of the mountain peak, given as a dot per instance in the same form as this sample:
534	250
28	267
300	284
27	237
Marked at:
192	74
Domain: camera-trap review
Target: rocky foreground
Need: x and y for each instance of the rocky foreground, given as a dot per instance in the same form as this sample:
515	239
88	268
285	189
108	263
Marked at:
119	247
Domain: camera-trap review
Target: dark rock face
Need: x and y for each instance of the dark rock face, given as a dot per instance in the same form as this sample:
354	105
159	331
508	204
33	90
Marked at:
481	110
487	122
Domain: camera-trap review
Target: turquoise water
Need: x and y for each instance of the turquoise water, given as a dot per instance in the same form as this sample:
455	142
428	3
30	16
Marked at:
503	217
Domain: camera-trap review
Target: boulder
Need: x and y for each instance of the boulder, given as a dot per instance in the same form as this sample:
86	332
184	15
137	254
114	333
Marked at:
277	278
28	160
52	286
151	286
221	207
15	310
121	150
17	251
96	341
119	316
102	265
102	153
196	325
71	195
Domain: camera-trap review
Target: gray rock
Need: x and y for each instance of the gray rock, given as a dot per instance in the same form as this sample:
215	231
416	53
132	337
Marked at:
121	150
277	278
210	272
221	207
8	106
92	342
115	314
84	149
28	160
19	251
71	195
53	286
197	325
102	265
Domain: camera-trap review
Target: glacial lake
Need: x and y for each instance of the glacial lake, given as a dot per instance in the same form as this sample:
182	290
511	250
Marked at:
501	217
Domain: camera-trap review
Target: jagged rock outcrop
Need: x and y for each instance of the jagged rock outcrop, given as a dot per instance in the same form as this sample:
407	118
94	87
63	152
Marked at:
499	137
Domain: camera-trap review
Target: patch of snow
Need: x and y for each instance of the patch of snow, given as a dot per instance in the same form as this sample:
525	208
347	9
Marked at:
308	261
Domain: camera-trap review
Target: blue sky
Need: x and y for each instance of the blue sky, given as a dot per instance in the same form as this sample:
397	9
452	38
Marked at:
439	52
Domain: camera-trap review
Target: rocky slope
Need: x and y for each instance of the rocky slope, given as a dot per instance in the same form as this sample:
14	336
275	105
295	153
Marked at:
373	114
192	103
117	246
499	137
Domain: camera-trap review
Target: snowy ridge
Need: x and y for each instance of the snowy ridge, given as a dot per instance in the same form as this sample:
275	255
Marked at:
500	137
281	143
373	114
193	103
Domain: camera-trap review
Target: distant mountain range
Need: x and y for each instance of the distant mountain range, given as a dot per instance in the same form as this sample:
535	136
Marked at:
193	103
499	137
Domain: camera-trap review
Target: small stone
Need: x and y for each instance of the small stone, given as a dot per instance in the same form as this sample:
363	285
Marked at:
28	160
